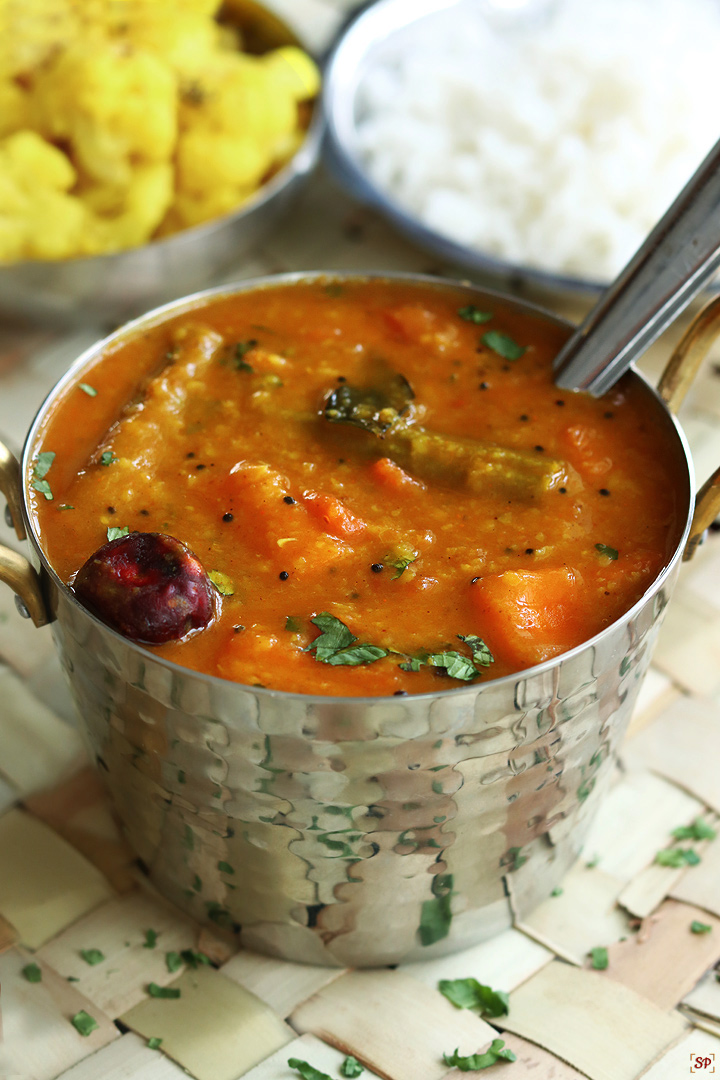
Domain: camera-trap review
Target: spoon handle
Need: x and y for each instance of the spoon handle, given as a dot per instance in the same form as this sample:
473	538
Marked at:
668	270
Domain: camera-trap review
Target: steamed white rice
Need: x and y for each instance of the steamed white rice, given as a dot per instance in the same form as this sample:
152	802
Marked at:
555	142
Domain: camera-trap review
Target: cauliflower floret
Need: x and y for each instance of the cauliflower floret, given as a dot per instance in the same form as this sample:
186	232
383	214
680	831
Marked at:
207	158
36	163
195	208
30	32
239	96
144	204
40	220
187	42
292	68
14	107
112	106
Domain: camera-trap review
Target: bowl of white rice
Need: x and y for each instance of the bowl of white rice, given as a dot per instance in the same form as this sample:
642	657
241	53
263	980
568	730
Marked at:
539	139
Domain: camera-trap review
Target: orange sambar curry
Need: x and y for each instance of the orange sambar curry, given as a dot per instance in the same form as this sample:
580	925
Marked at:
380	479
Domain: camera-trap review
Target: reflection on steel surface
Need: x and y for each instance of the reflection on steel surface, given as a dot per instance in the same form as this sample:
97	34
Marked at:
358	832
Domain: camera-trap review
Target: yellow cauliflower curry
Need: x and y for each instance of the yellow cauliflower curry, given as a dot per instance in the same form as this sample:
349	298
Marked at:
123	121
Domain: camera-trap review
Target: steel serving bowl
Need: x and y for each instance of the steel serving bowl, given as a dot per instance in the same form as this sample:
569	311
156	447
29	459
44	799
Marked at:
377	34
109	289
354	831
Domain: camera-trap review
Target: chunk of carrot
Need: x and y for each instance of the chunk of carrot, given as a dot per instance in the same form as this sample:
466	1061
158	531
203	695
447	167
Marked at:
331	515
586	451
527	616
414	323
390	475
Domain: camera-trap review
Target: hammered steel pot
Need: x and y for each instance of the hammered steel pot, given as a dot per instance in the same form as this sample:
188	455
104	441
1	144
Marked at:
348	831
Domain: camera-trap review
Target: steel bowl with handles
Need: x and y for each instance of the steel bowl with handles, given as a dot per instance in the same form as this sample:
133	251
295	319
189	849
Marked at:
106	290
355	831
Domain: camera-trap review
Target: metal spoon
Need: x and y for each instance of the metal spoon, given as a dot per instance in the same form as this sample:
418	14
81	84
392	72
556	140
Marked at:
678	258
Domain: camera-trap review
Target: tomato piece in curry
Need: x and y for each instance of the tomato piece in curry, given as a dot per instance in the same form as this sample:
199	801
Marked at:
385	486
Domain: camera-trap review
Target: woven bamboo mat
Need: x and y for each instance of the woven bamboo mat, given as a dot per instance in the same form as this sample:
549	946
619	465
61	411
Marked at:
77	915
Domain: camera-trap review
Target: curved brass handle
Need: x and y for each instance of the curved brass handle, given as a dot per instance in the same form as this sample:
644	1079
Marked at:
24	580
11	487
676	379
15	570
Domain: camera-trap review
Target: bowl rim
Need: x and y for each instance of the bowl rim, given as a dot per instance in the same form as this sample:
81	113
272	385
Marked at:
197	300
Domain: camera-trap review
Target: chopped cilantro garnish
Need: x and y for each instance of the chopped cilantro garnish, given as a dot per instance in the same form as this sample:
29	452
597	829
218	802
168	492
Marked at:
334	637
151	937
84	1023
357	654
333	289
225	868
42	466
497	1051
609	552
241	349
107	457
32	973
470	994
336	645
308	1072
65	506
697	927
480	653
292	624
92	956
89	390
474	314
503	345
154	1043
115	534
599	957
351	1067
677	857
197	883
222	582
400	563
699	830
193	958
162	991
173	961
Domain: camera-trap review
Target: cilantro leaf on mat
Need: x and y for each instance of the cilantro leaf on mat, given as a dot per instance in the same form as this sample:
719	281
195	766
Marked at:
471	994
497	1051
